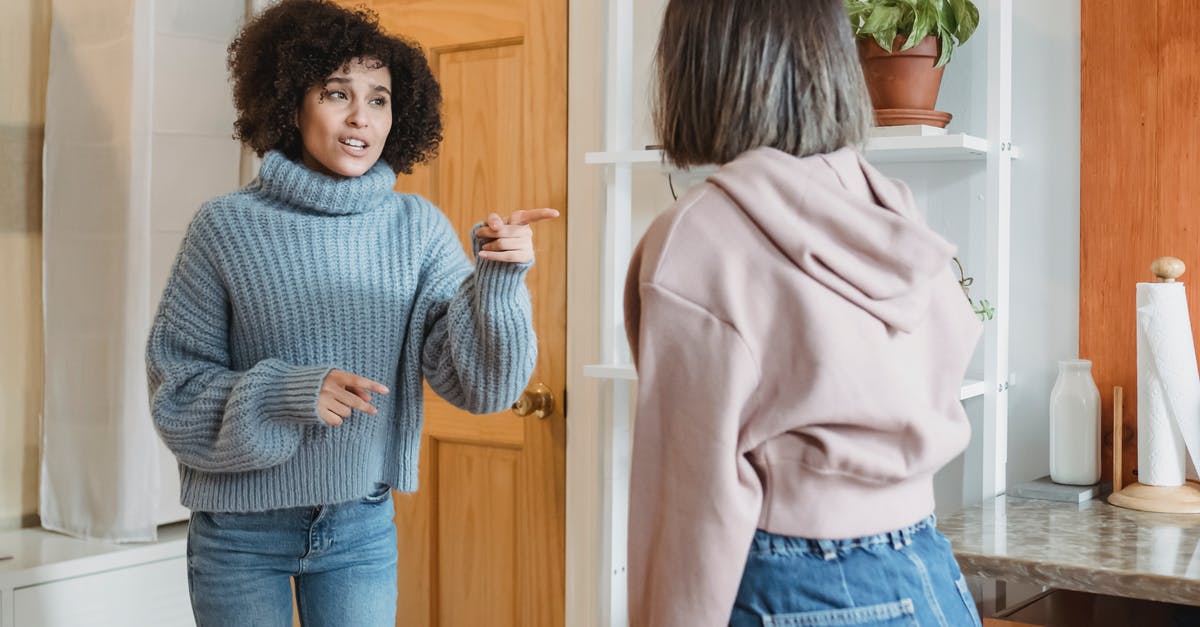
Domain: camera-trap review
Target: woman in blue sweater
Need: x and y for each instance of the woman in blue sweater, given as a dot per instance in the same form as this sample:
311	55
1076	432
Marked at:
302	314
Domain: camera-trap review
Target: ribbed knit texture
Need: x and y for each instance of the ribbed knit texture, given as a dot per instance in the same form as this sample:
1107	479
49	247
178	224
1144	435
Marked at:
297	274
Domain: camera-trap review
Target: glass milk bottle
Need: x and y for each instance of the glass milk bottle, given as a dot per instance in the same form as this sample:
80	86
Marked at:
1075	425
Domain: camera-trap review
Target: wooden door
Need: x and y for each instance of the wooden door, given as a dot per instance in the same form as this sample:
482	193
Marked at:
482	541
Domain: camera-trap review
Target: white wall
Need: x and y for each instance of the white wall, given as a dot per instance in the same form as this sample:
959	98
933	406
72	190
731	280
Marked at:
584	564
1045	220
1045	232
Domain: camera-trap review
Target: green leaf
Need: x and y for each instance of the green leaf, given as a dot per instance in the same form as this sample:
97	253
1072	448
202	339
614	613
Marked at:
883	18
857	12
886	39
925	20
947	45
856	9
967	16
985	311
946	19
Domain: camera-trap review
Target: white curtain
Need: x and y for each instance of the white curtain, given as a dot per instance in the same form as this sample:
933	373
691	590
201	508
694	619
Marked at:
138	134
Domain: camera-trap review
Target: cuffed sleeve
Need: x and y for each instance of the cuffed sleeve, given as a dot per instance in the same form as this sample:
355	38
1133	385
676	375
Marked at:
294	397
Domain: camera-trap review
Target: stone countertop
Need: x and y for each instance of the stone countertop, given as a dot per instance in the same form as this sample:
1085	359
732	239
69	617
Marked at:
1090	546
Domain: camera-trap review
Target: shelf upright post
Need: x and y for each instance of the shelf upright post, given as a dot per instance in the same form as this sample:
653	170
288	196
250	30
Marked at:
618	122
998	19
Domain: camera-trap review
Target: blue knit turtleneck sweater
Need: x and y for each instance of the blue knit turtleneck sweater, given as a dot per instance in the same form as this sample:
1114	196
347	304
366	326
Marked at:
299	273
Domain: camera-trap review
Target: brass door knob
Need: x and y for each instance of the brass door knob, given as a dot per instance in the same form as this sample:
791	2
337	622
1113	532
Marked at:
536	400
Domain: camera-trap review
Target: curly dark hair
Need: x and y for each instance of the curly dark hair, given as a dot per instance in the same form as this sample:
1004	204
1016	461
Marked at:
296	44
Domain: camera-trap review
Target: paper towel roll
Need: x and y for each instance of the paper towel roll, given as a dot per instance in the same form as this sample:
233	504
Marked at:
1168	386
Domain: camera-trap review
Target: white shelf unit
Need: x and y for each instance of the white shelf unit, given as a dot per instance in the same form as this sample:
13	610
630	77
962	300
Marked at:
926	148
971	388
985	463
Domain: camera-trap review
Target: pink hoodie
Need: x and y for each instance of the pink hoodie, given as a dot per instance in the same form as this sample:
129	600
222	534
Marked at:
800	342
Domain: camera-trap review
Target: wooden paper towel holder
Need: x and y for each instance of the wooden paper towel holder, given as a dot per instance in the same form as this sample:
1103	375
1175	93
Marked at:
1184	499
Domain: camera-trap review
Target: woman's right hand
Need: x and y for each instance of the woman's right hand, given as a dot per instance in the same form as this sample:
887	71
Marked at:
343	392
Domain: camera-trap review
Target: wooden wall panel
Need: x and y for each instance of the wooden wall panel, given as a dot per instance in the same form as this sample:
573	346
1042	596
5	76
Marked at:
1139	180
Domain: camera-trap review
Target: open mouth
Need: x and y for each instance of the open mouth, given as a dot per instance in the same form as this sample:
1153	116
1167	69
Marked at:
353	143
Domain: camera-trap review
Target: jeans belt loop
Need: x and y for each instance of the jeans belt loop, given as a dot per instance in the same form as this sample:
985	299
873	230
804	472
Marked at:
828	549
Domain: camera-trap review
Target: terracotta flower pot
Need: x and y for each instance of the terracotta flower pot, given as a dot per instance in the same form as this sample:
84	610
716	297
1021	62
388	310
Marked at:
903	85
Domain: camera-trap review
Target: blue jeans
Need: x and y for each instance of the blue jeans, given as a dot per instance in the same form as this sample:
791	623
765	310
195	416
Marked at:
343	558
906	577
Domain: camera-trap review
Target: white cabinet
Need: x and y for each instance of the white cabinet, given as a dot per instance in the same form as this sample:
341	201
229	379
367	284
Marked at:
154	594
987	154
53	580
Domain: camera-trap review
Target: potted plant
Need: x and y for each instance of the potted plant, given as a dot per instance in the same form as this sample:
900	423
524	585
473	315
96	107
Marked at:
904	46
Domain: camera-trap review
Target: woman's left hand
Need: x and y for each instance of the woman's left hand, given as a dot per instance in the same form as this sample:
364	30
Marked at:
511	239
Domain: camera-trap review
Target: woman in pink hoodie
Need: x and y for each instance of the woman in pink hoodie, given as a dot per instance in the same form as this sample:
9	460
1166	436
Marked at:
800	343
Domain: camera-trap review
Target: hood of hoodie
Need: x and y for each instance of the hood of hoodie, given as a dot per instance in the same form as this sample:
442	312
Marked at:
871	248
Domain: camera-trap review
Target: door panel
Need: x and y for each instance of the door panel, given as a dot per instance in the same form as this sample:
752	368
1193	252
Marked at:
478	534
479	168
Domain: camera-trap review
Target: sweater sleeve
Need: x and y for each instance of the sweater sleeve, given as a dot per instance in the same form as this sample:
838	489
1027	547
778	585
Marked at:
214	418
694	496
479	344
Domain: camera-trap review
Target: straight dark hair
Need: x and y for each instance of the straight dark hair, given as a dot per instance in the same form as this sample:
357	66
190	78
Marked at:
734	75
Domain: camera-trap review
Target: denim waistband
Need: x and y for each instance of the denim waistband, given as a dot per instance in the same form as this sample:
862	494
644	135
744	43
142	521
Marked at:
766	542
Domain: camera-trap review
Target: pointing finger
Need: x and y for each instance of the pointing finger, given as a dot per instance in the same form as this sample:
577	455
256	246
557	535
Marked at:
530	216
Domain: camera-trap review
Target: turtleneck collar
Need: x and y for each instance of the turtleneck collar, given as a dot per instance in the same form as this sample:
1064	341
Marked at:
299	186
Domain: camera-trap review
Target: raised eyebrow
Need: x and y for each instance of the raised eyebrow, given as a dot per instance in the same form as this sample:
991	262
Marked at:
346	81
